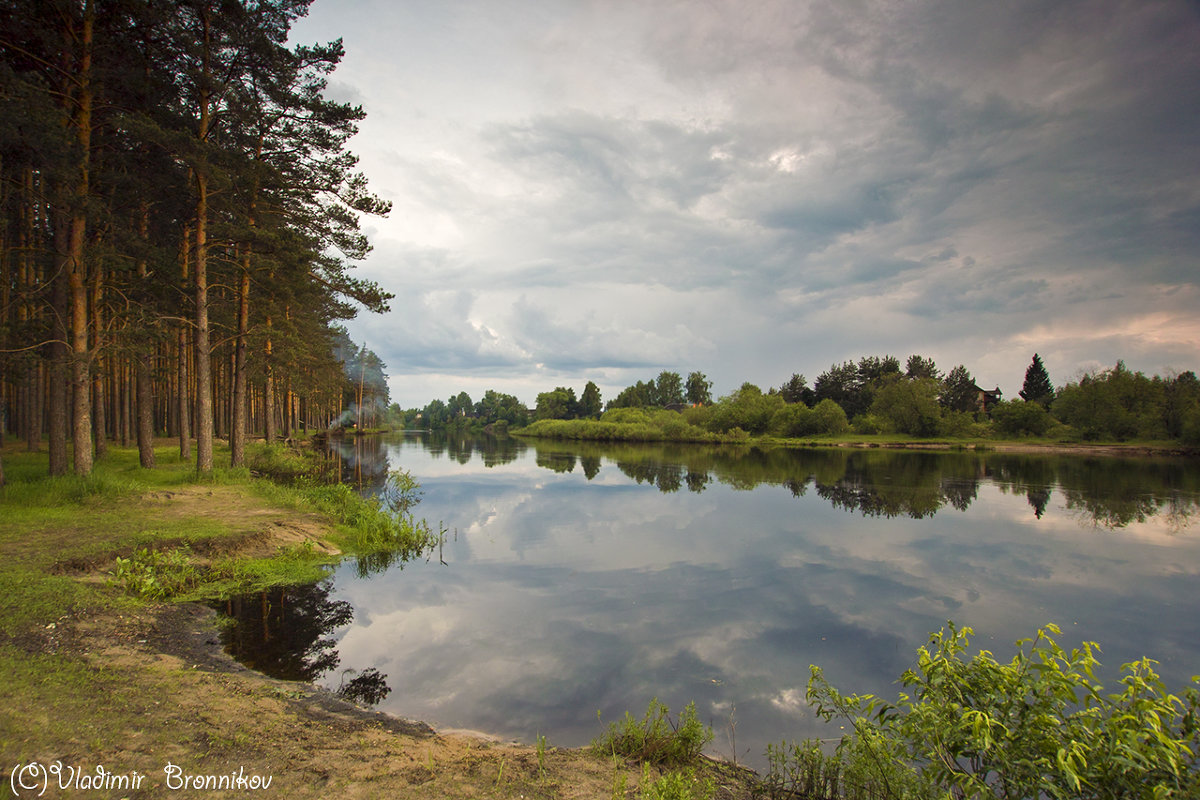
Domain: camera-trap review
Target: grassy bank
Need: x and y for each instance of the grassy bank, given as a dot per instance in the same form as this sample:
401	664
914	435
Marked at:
657	425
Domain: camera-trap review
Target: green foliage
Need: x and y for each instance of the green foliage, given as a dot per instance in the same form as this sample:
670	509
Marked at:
910	406
681	785
624	424
155	574
635	396
1115	404
963	425
589	403
281	463
1037	387
656	739
805	770
921	367
1021	418
747	408
401	491
958	390
1038	726
668	389
699	389
869	424
495	407
796	390
831	418
557	404
840	384
793	420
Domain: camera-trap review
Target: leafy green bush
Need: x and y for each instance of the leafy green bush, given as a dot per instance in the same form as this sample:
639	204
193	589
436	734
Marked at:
831	419
1038	726
281	463
682	785
869	424
656	739
794	420
155	574
1191	427
401	491
625	416
963	425
909	406
1021	418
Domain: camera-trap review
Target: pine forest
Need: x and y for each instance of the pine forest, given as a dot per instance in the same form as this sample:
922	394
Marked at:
179	217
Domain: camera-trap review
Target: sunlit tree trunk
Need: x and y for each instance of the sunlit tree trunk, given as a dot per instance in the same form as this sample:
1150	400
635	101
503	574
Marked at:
204	389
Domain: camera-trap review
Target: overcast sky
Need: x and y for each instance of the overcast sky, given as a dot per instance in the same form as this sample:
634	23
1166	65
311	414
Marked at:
603	190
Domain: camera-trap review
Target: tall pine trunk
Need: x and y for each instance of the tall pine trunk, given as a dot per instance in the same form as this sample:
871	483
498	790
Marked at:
99	410
184	376
76	267
237	437
145	385
204	396
269	389
204	392
56	400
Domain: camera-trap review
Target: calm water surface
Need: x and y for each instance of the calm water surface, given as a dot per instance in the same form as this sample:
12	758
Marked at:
583	578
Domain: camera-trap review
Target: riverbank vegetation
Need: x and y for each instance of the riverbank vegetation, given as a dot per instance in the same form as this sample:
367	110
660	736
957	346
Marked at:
179	214
872	400
1039	725
183	555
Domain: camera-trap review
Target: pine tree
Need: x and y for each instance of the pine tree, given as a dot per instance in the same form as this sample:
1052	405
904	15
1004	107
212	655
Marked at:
1037	387
796	390
589	403
959	392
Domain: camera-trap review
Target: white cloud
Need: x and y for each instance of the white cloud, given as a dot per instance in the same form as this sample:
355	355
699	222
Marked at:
598	188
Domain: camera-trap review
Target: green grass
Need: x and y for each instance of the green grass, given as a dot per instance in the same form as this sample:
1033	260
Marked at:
54	530
114	541
656	738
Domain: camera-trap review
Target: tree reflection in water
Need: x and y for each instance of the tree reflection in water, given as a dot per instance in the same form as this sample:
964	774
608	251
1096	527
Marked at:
286	632
1104	492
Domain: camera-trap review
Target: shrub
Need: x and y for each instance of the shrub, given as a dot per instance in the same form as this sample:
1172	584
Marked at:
656	739
1191	427
682	785
1020	418
830	417
155	574
869	424
909	406
961	424
625	416
794	419
747	408
1038	726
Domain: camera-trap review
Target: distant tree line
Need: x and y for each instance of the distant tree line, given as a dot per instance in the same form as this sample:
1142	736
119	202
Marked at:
177	213
871	396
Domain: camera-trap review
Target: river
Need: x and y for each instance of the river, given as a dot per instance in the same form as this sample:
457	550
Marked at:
577	579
